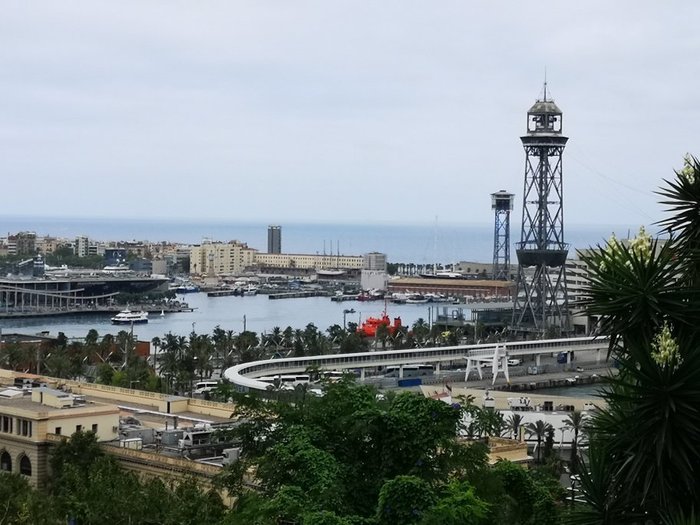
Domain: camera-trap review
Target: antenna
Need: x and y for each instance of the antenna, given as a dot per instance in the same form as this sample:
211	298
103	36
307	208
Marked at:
545	83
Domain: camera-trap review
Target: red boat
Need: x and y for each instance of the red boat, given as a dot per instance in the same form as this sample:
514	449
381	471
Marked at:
369	327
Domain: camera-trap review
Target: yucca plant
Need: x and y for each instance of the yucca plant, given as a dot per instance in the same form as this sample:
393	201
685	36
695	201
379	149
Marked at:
647	294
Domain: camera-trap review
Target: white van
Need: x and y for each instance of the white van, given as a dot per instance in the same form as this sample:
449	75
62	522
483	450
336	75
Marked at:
204	386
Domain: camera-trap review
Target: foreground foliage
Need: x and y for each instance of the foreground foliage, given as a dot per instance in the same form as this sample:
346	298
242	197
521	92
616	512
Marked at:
89	488
352	457
644	462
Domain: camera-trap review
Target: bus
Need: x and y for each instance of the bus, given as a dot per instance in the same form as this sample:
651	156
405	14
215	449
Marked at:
286	382
202	387
410	370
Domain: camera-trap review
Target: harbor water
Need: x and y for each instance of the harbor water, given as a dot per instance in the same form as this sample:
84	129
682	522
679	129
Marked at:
256	313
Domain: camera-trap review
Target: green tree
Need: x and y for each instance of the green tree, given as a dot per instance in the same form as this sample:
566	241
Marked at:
382	335
538	429
458	505
514	423
21	504
80	452
421	331
575	422
404	500
297	462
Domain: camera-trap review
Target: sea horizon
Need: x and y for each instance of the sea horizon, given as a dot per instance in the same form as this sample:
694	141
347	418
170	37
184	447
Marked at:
421	243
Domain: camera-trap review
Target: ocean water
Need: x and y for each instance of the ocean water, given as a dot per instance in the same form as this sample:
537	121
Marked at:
420	244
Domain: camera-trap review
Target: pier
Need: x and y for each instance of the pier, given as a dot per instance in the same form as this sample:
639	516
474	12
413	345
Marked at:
298	295
224	293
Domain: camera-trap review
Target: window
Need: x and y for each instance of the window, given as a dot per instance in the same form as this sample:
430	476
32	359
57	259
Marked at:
24	427
94	428
58	431
6	424
25	466
5	462
78	428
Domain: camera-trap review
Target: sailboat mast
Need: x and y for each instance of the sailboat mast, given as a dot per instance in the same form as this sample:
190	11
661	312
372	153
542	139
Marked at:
435	234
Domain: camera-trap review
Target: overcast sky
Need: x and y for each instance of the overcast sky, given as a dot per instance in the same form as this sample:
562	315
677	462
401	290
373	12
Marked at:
338	111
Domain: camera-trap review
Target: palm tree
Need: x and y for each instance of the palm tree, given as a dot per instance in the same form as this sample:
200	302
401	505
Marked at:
514	422
156	343
538	429
382	335
421	330
575	422
287	338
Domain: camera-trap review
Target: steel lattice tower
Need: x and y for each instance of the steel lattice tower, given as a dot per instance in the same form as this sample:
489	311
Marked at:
502	203
541	298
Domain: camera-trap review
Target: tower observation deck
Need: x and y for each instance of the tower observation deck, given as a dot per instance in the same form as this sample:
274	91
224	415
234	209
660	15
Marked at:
541	298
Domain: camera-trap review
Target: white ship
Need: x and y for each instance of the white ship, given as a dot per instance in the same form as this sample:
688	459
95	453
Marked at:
129	317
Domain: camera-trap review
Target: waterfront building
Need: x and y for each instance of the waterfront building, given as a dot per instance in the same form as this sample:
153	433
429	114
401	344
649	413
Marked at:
274	239
309	261
218	258
476	289
374	280
72	290
375	261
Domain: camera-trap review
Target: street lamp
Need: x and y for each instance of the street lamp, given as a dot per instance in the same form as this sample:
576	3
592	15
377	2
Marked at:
561	443
345	313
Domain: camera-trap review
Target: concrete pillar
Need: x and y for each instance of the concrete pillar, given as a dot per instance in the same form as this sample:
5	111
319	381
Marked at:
537	360
400	371
597	356
362	374
437	367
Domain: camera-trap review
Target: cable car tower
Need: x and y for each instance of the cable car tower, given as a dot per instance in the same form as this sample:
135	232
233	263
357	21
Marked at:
541	298
502	203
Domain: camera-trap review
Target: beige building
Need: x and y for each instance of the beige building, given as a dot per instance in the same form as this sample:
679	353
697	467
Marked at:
309	261
217	258
47	244
234	258
26	420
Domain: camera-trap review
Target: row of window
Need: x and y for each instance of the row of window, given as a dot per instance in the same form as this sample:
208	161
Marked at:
25	464
78	428
21	427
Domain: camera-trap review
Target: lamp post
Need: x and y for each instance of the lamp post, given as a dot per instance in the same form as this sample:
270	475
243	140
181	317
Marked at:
345	313
561	443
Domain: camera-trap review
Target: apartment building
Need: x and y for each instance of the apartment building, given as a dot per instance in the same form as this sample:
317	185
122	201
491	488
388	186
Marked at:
217	258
